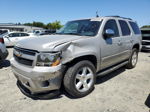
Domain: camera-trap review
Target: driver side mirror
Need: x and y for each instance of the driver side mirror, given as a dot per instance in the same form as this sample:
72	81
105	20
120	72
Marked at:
108	33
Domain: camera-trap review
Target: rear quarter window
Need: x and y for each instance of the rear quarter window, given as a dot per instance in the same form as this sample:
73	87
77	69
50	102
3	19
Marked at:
135	28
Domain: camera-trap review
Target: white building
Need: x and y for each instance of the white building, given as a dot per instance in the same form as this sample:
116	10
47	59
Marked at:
17	27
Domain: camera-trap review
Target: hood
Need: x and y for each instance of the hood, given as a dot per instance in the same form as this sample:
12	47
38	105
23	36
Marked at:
46	43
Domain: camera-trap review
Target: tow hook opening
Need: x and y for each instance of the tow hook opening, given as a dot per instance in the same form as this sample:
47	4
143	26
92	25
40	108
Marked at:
45	83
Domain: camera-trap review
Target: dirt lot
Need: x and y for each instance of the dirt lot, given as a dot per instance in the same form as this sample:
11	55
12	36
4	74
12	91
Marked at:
121	91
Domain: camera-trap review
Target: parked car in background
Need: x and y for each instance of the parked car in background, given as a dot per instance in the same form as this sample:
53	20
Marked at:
145	39
48	32
3	32
12	38
76	55
3	50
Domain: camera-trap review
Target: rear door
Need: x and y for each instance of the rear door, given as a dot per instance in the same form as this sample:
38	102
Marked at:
110	47
126	39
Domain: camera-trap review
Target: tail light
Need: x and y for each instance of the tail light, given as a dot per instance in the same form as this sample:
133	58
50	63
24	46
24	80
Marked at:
1	40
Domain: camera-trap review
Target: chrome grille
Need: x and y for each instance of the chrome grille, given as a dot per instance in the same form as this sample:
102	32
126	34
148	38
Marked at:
26	51
23	60
24	56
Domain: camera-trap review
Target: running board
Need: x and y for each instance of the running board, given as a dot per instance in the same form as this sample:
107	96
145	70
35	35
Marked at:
111	69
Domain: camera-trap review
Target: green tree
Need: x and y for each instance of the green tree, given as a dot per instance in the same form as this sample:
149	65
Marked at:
54	25
28	24
146	26
38	24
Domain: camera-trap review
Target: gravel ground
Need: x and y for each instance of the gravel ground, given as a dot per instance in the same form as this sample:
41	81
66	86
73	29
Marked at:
121	91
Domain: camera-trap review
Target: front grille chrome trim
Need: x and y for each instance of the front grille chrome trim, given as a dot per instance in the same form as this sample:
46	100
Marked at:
26	51
27	57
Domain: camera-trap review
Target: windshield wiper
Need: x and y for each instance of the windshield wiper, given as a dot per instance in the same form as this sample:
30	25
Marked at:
72	34
68	34
59	33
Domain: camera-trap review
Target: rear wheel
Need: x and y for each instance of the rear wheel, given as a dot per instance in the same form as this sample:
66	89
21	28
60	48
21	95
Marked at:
79	79
133	59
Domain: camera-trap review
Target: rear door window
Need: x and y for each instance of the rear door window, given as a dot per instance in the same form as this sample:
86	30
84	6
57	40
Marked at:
124	28
135	27
24	34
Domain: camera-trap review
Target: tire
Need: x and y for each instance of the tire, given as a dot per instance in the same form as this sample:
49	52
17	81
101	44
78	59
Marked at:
133	59
79	79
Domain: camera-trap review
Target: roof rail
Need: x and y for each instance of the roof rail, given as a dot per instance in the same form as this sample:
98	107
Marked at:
119	17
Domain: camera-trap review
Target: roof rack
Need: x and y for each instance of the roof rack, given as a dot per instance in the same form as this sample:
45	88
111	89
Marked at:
119	17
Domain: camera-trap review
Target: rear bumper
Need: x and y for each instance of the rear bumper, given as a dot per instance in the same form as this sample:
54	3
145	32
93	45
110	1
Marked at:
37	79
3	55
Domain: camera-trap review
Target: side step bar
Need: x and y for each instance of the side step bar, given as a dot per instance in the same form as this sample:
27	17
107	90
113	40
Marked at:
101	73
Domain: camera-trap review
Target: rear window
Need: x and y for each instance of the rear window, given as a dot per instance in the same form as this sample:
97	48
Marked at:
135	27
124	28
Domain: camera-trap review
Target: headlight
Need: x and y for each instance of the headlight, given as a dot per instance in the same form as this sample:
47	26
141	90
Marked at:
48	59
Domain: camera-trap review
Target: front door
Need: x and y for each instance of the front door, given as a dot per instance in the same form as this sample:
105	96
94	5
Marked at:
110	47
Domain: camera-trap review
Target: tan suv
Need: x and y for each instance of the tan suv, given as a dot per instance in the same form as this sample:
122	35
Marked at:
76	55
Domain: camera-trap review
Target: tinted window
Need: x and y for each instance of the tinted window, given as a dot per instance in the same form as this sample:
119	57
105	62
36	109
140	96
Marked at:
14	35
124	28
111	24
24	34
135	28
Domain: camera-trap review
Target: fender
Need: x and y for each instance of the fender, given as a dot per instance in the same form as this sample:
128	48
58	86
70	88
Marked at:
72	50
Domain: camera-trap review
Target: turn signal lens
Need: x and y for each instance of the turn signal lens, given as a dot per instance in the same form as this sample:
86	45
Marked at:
57	62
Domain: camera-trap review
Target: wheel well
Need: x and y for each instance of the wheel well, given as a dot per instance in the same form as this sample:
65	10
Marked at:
137	46
90	58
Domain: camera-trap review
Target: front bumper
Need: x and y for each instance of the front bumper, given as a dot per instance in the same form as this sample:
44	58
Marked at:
37	79
43	95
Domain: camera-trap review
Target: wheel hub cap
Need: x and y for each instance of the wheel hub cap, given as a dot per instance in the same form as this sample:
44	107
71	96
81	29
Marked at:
84	79
134	59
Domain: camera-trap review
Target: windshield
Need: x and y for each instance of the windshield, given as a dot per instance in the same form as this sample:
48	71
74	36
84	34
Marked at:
80	27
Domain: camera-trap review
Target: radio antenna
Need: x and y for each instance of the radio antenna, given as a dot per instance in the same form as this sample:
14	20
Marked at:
97	14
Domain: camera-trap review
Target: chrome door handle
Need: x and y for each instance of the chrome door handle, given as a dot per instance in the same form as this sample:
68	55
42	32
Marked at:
131	41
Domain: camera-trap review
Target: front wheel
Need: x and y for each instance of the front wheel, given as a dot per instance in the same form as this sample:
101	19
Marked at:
79	79
133	59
